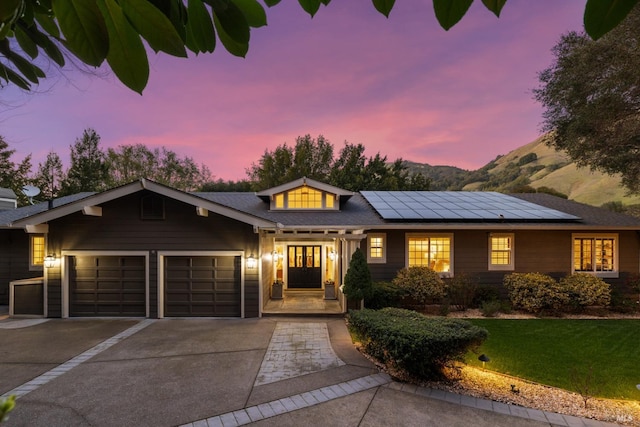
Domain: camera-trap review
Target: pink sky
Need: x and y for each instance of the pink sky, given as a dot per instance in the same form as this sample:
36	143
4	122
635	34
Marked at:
401	86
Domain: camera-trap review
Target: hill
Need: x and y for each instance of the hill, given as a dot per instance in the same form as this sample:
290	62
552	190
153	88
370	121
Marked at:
533	165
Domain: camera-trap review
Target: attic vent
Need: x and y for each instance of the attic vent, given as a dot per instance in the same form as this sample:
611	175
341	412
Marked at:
152	208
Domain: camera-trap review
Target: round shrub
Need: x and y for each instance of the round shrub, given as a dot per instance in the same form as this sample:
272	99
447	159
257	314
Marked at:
534	292
384	294
420	283
586	289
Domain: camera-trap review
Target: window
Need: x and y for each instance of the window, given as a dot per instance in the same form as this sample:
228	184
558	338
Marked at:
36	250
433	251
152	207
377	252
304	198
501	252
596	254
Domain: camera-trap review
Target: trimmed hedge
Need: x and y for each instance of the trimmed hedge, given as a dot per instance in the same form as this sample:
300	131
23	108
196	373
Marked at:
420	283
421	346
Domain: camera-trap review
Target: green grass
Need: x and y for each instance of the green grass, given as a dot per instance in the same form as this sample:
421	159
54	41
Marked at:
547	351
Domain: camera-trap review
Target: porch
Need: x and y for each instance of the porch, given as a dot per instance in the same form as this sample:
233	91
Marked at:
297	302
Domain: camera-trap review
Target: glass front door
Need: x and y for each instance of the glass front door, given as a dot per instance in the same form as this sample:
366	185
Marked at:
304	267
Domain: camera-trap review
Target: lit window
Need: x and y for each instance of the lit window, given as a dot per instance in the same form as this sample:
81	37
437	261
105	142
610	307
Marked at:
377	249
501	252
37	252
330	201
304	198
279	201
430	251
595	254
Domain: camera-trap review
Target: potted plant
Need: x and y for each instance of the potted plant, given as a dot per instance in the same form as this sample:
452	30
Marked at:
329	289
276	289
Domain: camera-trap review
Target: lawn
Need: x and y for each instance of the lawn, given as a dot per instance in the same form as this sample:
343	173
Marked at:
548	351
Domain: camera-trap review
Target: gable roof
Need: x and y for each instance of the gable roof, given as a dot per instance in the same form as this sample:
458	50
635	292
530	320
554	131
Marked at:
301	182
43	214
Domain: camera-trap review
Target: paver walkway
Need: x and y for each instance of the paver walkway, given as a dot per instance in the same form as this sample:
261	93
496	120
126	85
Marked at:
297	349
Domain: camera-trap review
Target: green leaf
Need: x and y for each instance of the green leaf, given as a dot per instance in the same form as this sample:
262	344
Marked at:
253	12
30	71
48	24
11	76
200	32
271	3
233	47
44	42
176	12
231	19
495	6
9	9
25	42
449	12
384	6
154	26
84	29
601	16
310	6
126	55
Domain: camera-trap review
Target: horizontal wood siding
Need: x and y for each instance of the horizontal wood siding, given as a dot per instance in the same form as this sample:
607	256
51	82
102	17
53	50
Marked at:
120	228
14	261
544	251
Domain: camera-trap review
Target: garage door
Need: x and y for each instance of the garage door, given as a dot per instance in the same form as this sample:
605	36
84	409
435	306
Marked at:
107	286
207	286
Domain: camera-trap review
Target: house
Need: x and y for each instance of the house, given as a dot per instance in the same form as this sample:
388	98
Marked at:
148	250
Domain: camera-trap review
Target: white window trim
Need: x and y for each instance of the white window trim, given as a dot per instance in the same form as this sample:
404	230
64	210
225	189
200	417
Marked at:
32	266
616	253
500	267
383	258
423	235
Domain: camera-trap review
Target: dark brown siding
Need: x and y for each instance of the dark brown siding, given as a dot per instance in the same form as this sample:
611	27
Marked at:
546	252
14	260
121	229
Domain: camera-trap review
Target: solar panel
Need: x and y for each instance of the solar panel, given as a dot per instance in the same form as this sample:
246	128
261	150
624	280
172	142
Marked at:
458	205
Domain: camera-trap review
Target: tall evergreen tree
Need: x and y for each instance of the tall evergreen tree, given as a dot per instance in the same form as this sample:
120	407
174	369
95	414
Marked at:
49	176
88	170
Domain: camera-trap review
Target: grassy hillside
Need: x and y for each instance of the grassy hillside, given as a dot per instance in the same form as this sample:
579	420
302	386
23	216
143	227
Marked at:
535	165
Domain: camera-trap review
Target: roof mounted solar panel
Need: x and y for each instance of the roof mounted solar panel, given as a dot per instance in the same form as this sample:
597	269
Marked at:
459	206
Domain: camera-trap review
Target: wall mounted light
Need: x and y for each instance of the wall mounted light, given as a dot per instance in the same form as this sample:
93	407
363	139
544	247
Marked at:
50	261
252	261
275	256
332	254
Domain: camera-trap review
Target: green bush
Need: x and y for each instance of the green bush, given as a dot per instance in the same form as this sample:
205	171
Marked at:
420	283
384	294
6	406
357	281
490	308
484	294
586	289
421	346
535	292
461	290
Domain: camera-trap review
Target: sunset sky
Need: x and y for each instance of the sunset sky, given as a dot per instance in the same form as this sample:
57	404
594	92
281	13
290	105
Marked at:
401	86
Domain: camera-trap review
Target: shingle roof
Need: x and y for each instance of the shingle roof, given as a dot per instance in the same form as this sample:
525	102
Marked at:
11	215
591	215
355	212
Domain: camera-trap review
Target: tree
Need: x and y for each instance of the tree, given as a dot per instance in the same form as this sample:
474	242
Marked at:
14	176
114	30
88	170
130	162
591	96
49	176
358	284
313	158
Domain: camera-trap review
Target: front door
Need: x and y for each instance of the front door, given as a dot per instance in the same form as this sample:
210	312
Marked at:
305	267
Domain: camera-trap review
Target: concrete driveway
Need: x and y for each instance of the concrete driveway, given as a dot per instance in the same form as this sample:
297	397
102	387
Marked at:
118	372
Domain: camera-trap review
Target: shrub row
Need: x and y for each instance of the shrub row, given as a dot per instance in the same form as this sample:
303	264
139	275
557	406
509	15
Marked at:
405	339
535	292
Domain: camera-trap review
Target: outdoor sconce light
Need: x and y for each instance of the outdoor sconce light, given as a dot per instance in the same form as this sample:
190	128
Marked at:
484	359
275	256
332	254
251	261
50	261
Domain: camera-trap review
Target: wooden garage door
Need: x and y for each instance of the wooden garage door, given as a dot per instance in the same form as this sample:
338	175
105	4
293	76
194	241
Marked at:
107	286
207	286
